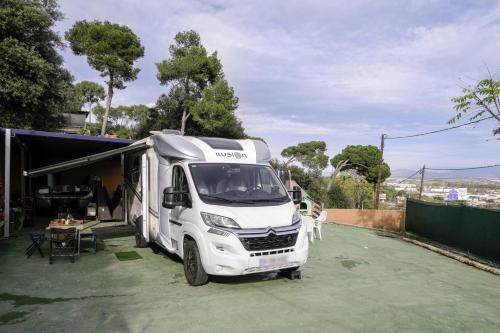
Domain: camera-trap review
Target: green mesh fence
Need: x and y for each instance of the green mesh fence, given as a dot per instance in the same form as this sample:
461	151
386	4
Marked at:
472	230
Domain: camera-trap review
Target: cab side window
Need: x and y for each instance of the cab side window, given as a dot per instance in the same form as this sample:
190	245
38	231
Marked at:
179	180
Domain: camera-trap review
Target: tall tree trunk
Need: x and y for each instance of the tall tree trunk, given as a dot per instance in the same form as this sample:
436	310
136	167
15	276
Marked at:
183	122
338	168
336	171
185	116
185	112
90	113
109	97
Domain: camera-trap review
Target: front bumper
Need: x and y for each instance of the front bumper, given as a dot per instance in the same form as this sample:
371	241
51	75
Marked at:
226	255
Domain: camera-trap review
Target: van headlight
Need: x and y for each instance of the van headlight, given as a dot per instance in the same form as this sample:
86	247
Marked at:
296	218
219	221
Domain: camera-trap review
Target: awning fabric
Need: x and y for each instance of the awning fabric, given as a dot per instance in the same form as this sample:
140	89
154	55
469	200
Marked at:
86	160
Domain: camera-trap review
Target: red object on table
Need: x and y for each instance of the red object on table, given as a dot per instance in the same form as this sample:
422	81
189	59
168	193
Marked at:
63	222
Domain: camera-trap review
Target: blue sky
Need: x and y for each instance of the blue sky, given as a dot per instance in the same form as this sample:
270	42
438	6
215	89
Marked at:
339	71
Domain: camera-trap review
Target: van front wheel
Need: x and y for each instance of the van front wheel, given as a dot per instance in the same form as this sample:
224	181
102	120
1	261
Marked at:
193	269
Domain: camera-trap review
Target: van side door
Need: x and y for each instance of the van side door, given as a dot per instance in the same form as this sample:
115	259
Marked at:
164	181
180	214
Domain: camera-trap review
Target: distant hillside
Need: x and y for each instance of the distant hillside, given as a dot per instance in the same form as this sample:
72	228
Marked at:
458	174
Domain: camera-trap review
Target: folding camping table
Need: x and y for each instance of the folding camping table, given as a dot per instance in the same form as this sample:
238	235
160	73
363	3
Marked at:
79	228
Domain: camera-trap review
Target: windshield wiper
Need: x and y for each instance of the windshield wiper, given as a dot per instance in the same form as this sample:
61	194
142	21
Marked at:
225	199
270	200
216	197
244	201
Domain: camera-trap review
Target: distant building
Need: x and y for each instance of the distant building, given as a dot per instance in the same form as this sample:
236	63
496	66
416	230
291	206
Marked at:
400	200
483	199
409	188
449	194
453	195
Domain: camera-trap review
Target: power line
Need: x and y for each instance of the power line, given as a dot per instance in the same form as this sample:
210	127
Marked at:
437	131
449	169
471	168
416	173
422	171
464	180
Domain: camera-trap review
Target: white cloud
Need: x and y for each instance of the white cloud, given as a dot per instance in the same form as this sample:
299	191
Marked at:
262	123
343	72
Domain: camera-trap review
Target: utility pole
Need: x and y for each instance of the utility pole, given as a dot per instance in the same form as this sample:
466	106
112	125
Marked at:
377	188
421	183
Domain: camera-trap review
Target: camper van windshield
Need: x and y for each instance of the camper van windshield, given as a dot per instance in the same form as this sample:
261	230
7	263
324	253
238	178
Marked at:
237	183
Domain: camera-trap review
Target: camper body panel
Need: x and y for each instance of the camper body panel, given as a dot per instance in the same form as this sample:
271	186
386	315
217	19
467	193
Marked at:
153	195
162	236
133	178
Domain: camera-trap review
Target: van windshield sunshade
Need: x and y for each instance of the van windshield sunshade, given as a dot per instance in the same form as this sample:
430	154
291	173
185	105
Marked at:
218	143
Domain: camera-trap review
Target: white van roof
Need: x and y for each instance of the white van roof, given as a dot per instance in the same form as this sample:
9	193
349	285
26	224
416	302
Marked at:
206	149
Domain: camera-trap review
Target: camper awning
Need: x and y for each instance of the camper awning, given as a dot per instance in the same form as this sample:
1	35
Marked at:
82	161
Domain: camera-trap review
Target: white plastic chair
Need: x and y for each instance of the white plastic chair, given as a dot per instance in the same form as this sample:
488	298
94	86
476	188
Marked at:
317	224
309	222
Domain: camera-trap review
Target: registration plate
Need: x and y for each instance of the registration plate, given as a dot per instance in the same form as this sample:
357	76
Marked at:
273	261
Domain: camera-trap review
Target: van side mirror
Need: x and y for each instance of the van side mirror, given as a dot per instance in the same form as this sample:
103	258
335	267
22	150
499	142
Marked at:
172	198
296	195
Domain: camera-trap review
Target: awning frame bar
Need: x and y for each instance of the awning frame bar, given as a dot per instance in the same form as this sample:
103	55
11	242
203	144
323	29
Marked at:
86	160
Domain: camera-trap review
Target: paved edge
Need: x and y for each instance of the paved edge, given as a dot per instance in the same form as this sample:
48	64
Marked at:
426	244
458	257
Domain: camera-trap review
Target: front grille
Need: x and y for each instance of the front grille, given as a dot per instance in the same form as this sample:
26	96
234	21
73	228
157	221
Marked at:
270	253
272	241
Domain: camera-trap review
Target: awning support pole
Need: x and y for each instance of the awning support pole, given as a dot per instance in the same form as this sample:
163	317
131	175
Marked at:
124	189
23	177
24	151
145	196
6	206
30	184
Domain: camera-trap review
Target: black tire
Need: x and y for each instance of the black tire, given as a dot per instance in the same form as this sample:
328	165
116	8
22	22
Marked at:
193	269
140	241
287	271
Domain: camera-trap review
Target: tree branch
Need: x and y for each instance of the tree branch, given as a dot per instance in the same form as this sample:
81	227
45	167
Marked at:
290	160
486	107
342	164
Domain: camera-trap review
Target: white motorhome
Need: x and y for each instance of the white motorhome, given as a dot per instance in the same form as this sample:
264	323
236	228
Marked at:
216	203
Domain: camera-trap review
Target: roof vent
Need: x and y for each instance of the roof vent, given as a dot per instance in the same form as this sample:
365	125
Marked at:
219	143
171	131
